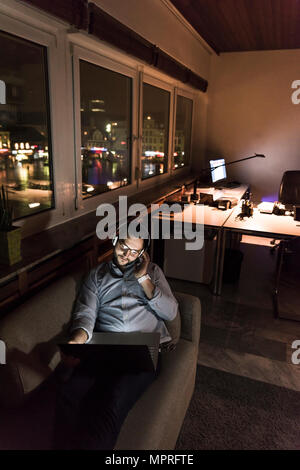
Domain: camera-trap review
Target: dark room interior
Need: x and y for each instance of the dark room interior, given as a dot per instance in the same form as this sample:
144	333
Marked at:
180	117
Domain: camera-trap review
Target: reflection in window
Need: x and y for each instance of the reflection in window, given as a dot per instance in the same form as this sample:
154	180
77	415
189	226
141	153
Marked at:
25	152
183	129
105	106
156	104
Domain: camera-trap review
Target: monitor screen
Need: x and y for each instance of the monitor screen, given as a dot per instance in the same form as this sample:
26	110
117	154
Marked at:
217	174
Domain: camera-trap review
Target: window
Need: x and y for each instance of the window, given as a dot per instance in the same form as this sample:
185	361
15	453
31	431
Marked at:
183	129
25	142
105	110
156	105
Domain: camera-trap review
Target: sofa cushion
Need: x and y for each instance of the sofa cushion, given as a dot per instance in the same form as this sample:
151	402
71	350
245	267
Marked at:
190	310
174	329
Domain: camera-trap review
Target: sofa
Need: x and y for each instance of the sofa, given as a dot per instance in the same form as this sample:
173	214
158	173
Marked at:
31	375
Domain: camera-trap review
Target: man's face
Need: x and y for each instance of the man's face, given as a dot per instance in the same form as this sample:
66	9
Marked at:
128	250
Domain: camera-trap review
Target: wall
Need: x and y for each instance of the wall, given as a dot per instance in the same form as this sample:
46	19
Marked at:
160	23
251	111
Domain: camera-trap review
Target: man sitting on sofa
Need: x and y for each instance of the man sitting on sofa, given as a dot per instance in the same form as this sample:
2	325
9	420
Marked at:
127	294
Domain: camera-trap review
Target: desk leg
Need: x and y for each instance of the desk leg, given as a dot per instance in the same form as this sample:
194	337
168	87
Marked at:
221	262
217	262
277	277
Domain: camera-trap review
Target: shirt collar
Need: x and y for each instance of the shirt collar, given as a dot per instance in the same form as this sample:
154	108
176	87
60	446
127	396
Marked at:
128	271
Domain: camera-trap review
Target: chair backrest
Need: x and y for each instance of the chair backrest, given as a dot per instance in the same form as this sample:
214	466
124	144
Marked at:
289	191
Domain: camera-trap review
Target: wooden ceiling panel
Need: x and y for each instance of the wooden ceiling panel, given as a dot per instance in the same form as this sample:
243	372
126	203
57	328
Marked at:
244	25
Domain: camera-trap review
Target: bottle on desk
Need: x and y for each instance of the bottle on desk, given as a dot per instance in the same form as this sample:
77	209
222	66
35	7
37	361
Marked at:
247	208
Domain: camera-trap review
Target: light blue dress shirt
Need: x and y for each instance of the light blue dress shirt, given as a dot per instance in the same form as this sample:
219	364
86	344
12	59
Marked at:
113	300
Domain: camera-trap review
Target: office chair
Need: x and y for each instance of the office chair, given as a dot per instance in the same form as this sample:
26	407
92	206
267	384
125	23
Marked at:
289	194
287	279
289	191
286	294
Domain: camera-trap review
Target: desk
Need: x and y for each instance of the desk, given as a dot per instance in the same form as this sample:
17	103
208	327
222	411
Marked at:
270	225
263	225
211	218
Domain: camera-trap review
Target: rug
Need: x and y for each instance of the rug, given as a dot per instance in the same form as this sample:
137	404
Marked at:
230	412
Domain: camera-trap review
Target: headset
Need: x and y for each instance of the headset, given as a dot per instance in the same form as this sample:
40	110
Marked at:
146	243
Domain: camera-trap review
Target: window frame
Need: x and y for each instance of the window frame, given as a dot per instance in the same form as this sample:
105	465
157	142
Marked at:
48	36
179	91
150	79
96	58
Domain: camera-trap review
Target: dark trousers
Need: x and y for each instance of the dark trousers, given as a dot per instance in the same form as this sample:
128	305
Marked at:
92	405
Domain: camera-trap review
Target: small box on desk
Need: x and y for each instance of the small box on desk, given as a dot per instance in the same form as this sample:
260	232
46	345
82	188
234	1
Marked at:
206	199
225	203
296	213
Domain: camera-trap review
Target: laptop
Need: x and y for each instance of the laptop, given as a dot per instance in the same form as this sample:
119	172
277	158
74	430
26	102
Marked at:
118	352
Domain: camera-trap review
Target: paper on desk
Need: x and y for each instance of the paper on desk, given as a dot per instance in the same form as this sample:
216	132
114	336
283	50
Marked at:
266	207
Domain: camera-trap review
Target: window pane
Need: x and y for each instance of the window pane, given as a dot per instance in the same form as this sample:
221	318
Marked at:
156	104
25	144
182	144
105	98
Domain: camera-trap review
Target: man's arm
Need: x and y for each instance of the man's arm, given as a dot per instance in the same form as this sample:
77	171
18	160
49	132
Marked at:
85	312
161	298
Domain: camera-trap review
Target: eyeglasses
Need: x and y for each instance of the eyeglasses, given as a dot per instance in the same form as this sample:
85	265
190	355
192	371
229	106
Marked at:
124	247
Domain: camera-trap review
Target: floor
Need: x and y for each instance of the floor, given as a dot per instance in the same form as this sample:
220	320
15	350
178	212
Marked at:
239	333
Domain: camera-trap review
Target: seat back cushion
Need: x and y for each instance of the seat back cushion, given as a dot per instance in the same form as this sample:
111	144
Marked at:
174	329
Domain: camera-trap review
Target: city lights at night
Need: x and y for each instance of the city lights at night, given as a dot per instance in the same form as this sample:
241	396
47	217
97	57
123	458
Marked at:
25	155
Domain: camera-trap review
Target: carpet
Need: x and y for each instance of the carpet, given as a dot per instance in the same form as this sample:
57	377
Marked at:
231	412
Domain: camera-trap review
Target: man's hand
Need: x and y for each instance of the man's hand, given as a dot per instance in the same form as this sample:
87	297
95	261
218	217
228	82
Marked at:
141	269
69	361
79	337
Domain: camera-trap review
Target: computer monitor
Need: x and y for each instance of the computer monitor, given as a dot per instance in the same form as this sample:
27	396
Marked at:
218	173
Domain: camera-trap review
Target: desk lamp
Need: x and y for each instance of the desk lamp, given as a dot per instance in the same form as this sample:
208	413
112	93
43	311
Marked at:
194	197
230	163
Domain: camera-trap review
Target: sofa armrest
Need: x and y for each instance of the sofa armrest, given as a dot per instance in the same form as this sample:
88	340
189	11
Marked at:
190	312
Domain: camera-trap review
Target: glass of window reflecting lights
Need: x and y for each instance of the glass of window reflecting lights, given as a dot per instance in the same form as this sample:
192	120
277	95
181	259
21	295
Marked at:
25	143
156	104
183	129
105	110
